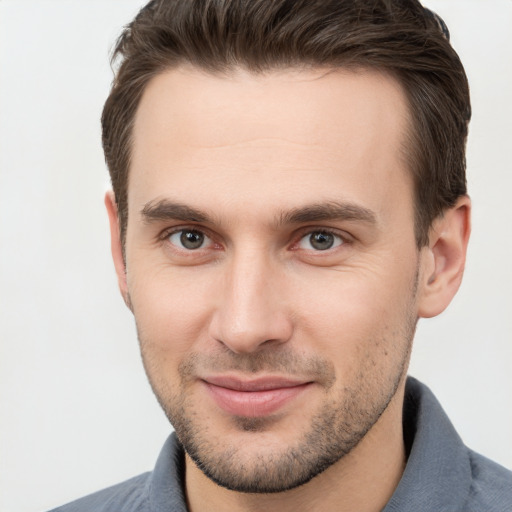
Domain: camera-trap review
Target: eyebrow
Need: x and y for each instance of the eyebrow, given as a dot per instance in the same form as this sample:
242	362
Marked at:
166	209
332	210
169	210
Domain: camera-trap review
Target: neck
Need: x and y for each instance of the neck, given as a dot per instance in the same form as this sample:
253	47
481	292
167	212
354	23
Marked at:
363	480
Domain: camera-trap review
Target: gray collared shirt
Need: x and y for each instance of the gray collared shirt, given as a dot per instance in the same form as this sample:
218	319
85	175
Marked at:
441	475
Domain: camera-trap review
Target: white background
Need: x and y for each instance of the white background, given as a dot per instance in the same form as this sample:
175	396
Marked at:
76	413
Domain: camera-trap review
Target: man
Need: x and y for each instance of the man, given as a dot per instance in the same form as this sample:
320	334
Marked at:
288	199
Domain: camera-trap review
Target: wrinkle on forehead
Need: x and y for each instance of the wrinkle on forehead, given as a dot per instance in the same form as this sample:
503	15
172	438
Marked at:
256	142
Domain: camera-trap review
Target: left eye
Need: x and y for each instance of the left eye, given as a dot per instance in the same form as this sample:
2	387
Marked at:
189	239
320	241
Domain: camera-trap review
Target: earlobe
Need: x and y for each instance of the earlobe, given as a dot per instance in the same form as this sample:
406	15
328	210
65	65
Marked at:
116	245
444	259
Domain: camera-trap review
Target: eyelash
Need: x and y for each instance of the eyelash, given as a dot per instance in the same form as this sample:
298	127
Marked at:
343	238
165	236
338	239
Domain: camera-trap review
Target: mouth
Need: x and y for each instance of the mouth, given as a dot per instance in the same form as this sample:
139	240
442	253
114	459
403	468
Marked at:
253	398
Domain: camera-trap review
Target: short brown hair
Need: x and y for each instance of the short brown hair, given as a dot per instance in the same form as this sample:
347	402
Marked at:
399	37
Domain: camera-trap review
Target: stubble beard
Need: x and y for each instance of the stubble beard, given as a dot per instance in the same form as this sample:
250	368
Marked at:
333	432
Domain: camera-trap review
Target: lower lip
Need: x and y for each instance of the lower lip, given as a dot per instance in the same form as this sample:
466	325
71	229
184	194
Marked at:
253	404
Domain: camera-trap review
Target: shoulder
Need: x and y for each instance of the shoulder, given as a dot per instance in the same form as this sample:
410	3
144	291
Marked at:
129	496
491	485
160	489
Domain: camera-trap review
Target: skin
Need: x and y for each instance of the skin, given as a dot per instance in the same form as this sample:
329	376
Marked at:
261	160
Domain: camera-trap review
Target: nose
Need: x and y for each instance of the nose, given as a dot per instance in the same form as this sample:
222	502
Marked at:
252	307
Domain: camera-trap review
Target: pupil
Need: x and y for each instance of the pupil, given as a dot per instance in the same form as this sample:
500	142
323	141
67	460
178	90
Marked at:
192	239
321	241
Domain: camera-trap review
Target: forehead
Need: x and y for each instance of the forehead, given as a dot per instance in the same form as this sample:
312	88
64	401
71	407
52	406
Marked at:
278	135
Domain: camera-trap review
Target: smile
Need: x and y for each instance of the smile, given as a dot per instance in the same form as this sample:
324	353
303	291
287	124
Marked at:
253	398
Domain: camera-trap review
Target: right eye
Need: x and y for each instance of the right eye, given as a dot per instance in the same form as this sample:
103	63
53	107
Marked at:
189	239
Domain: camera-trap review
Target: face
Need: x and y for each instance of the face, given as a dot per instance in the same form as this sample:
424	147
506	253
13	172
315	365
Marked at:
271	265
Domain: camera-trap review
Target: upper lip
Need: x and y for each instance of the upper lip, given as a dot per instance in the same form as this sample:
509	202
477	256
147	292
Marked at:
258	384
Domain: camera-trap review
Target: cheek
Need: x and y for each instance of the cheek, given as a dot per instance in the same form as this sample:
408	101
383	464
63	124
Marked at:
359	317
172	307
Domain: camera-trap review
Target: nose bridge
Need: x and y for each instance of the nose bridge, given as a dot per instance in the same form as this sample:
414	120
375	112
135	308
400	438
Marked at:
251	310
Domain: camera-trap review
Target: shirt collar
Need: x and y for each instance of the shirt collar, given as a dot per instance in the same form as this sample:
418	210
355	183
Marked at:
438	471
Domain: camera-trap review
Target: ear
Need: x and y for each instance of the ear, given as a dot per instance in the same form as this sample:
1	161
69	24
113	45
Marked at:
444	259
116	246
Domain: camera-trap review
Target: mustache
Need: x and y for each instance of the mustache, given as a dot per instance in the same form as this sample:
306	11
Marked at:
282	361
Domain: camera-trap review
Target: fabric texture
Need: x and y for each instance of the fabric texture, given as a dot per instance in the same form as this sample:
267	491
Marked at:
441	475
